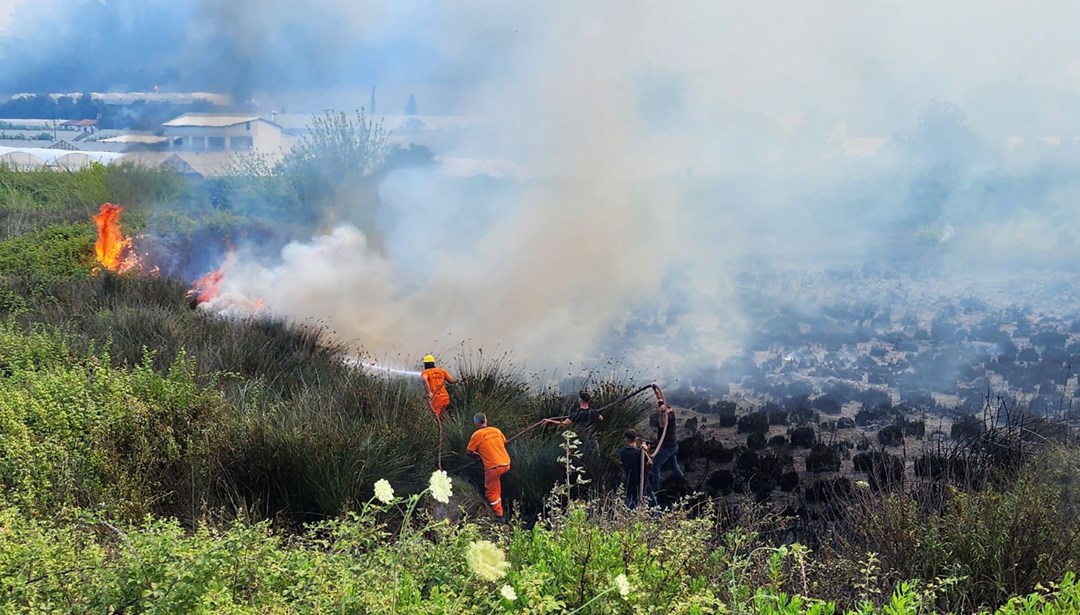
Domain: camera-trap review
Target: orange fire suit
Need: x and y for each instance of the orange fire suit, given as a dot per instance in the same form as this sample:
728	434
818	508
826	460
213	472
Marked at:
435	381
490	445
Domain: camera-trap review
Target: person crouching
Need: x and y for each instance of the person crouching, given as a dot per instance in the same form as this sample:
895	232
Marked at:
489	444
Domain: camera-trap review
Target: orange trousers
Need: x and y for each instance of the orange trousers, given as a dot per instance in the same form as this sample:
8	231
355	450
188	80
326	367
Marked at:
439	404
493	487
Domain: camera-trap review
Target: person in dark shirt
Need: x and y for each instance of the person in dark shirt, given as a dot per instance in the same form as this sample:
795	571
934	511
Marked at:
633	455
667	447
584	418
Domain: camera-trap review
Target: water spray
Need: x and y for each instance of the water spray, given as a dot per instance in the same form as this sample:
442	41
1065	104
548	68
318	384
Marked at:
372	366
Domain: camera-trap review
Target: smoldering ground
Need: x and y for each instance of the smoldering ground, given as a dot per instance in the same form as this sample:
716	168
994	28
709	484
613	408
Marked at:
669	151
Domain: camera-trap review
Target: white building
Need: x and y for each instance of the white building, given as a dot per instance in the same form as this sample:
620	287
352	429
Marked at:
209	132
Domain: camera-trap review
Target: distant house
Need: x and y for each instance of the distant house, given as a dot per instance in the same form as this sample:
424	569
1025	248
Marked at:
210	132
87	126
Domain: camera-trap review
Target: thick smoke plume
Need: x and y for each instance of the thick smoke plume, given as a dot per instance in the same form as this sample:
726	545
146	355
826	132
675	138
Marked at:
672	152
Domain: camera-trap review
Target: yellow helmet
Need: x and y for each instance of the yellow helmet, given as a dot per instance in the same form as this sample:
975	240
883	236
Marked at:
429	359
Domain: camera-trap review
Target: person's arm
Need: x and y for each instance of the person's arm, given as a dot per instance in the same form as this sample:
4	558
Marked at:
450	378
645	453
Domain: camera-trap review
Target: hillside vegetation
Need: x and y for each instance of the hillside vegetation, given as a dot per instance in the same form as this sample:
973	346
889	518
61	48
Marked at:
154	458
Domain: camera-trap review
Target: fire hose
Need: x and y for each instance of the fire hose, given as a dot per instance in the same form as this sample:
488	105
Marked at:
660	402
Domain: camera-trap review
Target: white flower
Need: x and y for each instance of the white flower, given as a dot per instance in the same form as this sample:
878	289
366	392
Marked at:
508	593
862	485
623	585
441	486
487	560
383	491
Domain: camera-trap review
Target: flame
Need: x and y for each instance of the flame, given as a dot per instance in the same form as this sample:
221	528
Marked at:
208	285
113	250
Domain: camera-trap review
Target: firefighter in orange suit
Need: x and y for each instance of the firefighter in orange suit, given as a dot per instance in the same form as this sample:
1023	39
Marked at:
435	380
489	444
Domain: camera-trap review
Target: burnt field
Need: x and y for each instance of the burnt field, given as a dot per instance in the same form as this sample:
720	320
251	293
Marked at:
879	379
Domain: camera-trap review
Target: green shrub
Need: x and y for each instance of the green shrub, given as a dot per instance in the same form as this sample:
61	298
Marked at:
55	252
81	432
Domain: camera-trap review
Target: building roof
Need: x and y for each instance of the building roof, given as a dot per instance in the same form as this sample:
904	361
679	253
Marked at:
203	164
211	120
133	138
57	158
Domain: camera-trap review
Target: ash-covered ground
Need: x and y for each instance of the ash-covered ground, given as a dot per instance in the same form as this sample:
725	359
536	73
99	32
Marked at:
884	374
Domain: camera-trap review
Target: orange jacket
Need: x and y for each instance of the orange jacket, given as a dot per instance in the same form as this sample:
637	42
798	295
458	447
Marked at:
435	378
490	444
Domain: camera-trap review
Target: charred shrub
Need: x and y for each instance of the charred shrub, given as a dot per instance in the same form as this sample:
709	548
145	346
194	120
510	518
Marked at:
893	435
829	490
804	437
931	466
868	416
884	470
755	441
827	405
803	416
913	428
755	422
747	463
721	482
822	459
778	416
789	481
694	447
845	423
778	441
967	427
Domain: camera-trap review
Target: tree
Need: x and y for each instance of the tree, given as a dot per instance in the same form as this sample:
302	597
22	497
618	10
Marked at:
410	107
335	167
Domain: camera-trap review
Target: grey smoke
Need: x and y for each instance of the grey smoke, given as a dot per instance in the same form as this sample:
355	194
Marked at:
670	149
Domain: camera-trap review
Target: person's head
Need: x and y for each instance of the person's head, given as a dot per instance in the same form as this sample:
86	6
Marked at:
630	436
429	361
479	419
584	398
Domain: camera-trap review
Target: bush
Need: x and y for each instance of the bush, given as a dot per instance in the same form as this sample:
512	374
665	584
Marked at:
804	437
892	435
755	422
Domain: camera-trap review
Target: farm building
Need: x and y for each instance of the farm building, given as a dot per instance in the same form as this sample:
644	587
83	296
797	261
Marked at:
206	132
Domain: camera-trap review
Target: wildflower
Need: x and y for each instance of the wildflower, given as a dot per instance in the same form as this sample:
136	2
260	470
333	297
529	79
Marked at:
508	593
440	486
862	485
623	585
383	491
487	560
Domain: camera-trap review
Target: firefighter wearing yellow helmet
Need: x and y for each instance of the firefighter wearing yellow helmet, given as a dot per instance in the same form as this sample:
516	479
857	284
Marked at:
435	380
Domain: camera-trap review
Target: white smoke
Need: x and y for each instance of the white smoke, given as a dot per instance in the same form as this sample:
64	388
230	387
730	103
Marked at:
671	146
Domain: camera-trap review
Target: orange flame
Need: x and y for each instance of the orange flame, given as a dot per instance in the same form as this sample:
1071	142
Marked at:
112	249
208	286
